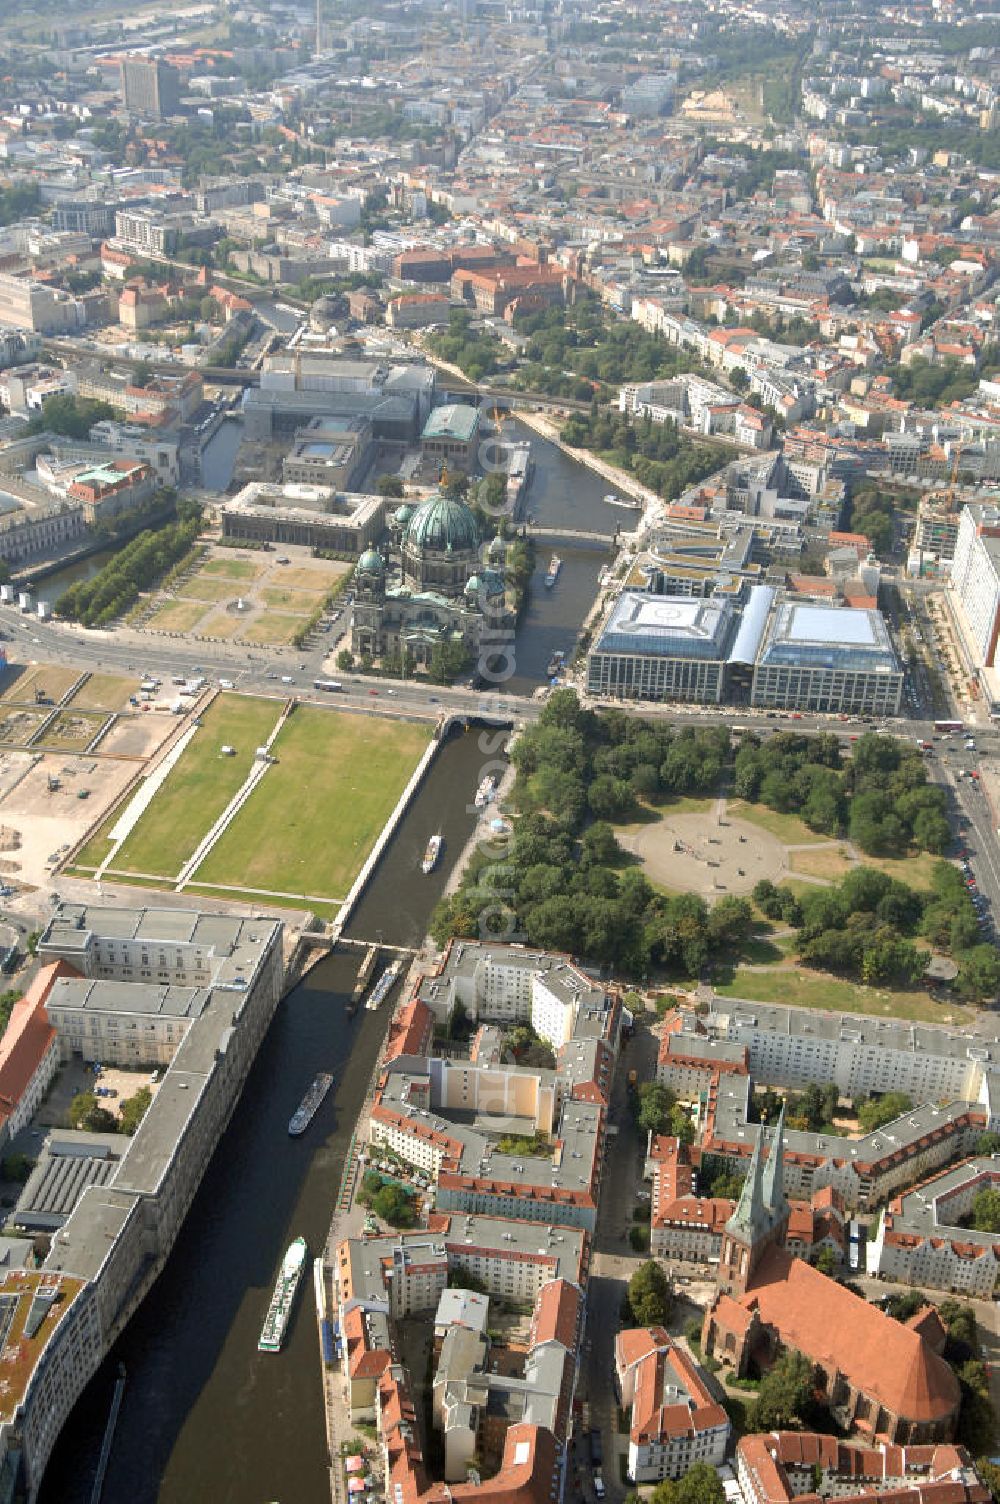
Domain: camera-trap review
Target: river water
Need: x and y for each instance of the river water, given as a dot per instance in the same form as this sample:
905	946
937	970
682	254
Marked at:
205	1416
219	455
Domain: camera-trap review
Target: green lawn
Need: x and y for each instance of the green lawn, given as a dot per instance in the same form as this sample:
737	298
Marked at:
809	989
651	810
788	828
196	790
232	569
261	905
313	819
273	627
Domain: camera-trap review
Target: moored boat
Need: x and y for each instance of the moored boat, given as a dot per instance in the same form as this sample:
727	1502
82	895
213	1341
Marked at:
432	853
555	564
309	1106
384	986
283	1298
486	791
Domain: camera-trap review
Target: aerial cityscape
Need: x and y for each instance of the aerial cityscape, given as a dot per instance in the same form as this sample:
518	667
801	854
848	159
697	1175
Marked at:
499	752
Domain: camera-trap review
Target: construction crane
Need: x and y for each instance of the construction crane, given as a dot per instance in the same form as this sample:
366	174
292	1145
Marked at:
949	500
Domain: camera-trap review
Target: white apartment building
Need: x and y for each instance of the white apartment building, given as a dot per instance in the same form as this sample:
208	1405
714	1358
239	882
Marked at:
508	984
787	1047
920	1240
975	578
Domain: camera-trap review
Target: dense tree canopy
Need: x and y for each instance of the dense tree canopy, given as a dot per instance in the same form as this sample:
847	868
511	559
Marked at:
785	1396
649	1294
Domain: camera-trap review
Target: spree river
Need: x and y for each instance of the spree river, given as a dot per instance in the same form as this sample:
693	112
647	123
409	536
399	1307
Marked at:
205	1416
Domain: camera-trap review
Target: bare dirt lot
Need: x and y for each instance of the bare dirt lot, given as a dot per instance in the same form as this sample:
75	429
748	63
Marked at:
49	820
706	854
138	735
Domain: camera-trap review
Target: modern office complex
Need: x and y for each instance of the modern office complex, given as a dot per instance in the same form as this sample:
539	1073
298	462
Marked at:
769	652
827	658
663	647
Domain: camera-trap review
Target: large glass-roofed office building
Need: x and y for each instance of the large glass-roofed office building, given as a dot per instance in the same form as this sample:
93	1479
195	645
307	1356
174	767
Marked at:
818	657
787	654
663	647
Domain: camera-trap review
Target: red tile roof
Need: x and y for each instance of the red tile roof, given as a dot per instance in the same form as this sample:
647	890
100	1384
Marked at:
28	1036
838	1329
556	1316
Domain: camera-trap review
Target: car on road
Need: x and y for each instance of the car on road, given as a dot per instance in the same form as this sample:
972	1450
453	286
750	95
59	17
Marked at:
287	679
373	691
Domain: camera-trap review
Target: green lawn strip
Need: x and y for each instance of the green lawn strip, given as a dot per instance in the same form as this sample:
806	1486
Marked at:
177	616
195	791
104	692
313	819
798	988
914	870
203	890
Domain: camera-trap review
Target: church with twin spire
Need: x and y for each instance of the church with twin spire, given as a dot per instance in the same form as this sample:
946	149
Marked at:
882	1378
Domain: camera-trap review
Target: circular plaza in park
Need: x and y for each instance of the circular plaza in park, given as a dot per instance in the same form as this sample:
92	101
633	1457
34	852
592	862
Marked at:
710	853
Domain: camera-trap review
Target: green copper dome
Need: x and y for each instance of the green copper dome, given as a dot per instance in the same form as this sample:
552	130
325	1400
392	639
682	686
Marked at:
442	524
403	514
371	562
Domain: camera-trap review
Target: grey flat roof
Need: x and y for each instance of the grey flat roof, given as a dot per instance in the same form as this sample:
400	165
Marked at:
83	1244
154	999
922	1213
58	1181
739	1018
669	626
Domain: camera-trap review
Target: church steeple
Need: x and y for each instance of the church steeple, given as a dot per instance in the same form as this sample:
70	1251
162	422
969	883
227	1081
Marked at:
760	1219
774	1173
749	1219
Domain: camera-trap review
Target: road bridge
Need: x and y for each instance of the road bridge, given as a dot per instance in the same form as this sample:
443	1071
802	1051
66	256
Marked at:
540	530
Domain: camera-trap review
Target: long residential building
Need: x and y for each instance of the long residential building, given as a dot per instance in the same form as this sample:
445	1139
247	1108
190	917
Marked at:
65	1316
952	1080
511	1226
975	591
781	1467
